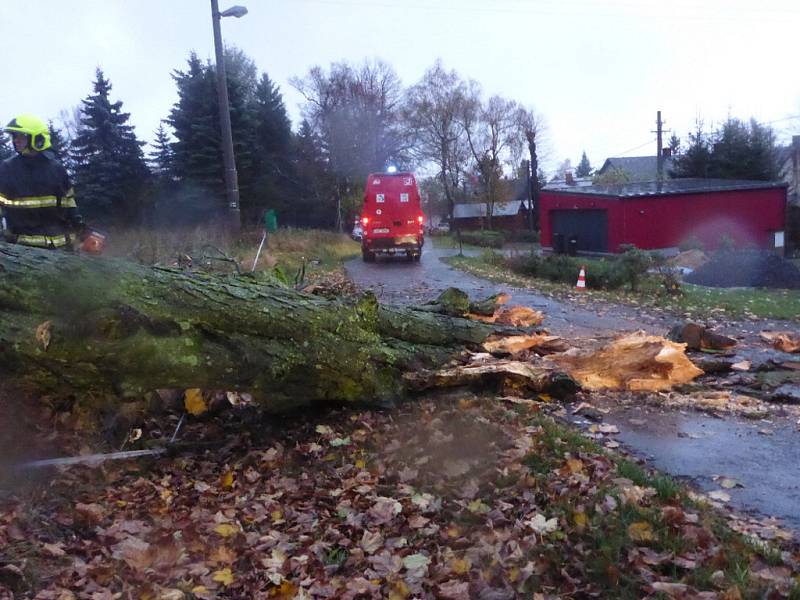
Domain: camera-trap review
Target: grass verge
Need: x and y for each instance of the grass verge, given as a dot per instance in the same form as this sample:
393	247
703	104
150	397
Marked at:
693	301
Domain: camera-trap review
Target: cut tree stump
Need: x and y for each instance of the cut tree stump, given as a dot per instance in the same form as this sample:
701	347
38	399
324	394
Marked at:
111	329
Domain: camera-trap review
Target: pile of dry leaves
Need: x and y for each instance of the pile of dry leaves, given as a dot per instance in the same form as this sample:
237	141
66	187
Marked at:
455	497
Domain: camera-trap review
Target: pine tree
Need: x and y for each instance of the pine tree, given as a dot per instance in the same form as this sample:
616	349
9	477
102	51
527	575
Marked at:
695	160
674	145
162	157
316	188
273	146
6	151
584	167
110	171
59	146
195	123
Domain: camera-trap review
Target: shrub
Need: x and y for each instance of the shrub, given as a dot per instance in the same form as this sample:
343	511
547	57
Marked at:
523	235
633	264
485	238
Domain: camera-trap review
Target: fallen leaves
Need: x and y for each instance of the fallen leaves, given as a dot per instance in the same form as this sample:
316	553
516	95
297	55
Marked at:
194	403
463	498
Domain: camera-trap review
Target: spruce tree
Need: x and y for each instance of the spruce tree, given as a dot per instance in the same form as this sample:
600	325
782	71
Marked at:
110	171
273	146
162	157
6	150
195	123
315	205
584	167
59	146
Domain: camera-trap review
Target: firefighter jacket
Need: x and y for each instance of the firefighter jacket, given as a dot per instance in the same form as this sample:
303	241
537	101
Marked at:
37	202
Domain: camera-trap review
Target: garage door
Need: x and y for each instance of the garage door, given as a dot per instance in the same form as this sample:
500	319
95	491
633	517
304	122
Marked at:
590	227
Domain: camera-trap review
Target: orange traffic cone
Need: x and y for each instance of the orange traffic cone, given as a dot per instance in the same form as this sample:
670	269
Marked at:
581	285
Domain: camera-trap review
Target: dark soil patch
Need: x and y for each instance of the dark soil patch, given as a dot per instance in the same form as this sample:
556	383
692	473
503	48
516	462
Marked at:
747	269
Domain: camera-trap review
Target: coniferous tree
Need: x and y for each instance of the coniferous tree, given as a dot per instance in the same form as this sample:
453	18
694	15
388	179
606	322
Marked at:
584	168
6	151
110	171
162	157
59	146
674	145
273	147
738	150
315	205
197	152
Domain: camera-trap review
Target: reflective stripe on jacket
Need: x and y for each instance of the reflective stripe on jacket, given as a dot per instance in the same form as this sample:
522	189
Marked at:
37	201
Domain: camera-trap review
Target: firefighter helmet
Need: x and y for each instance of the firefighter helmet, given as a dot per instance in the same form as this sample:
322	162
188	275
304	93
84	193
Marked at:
34	128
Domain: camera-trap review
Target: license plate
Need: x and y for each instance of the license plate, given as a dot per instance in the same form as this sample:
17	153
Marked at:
381	230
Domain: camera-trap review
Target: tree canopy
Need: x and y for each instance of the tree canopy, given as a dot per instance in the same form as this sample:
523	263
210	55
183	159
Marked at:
584	168
110	171
737	150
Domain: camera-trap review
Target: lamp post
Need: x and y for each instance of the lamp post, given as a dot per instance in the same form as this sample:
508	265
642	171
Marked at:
231	179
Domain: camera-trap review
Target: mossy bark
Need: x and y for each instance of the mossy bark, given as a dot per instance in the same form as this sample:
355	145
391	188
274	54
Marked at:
116	328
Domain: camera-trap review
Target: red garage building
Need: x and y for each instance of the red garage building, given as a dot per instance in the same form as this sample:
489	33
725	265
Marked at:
660	215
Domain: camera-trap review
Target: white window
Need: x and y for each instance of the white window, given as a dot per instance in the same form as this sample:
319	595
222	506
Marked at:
779	239
403	197
379	198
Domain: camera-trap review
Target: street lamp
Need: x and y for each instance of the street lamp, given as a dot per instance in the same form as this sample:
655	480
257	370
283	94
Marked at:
231	180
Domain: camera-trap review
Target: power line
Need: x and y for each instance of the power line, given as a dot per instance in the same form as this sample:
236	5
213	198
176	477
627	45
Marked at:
580	9
647	143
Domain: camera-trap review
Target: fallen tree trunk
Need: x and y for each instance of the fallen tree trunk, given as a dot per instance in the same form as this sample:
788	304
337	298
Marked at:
114	328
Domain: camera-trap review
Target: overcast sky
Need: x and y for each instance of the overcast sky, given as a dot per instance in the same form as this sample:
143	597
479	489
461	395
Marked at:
596	70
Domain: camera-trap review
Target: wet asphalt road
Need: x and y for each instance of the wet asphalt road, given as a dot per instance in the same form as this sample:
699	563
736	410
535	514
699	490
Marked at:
396	281
764	456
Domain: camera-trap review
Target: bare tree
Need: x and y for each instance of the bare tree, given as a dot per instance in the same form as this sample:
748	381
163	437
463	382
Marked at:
491	132
432	111
355	113
530	127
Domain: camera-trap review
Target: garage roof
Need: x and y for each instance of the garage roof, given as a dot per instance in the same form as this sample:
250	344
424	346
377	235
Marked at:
478	209
668	187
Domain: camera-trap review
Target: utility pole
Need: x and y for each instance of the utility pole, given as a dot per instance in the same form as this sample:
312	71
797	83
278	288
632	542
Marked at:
231	179
659	146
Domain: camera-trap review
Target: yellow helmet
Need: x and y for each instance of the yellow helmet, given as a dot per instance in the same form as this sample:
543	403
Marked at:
34	128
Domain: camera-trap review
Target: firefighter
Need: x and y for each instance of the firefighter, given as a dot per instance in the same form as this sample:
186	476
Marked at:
36	198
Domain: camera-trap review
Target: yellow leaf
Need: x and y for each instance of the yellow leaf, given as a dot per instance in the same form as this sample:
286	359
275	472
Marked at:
460	565
398	591
581	520
193	402
226	529
640	531
453	531
224	576
360	464
575	465
226	481
545	397
277	516
223	555
199	589
284	591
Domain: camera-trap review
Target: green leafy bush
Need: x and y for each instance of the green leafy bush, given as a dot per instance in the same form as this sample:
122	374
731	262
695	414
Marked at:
633	265
485	238
523	235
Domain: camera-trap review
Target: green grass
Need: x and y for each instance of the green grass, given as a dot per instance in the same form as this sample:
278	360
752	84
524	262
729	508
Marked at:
606	539
695	301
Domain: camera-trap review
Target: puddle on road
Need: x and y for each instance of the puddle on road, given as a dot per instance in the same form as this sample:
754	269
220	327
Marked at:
763	456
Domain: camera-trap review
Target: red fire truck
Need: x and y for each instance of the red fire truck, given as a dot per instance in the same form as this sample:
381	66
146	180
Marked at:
392	216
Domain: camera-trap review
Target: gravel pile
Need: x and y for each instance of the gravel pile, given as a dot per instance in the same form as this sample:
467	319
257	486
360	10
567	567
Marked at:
747	269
